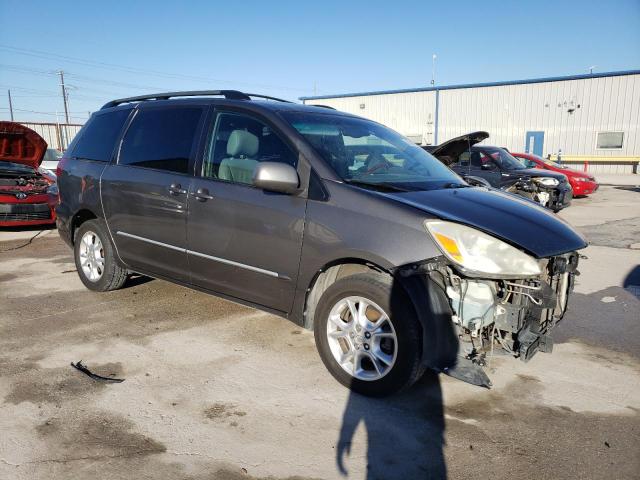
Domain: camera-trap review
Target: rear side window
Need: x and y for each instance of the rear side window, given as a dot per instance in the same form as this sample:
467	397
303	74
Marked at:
161	139
99	136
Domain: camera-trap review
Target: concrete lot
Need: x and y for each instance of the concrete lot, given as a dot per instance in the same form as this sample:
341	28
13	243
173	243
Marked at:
214	390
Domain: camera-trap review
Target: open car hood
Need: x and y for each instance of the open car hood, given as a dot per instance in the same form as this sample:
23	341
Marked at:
19	144
449	151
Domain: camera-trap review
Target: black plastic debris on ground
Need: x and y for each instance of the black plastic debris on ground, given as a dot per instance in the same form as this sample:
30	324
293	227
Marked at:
99	378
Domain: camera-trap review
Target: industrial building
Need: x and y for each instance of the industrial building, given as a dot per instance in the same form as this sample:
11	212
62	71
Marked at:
592	120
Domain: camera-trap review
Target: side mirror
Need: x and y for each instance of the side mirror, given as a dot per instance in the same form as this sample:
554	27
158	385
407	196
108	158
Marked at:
276	177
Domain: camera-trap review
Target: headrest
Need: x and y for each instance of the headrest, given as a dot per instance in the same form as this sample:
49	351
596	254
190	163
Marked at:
242	144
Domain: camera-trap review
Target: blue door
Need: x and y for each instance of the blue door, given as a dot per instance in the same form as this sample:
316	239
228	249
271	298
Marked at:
534	142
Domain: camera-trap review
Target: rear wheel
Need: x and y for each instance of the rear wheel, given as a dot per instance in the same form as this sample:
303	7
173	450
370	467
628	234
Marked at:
94	257
368	335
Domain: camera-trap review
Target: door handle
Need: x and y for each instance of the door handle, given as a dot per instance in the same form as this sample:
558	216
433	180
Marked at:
176	189
202	195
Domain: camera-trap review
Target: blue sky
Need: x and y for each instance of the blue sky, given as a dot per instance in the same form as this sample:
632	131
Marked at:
291	49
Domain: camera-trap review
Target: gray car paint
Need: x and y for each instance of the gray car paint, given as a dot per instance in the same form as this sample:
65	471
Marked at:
139	209
270	231
252	227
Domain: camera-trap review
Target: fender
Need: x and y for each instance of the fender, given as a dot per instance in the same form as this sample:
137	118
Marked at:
439	340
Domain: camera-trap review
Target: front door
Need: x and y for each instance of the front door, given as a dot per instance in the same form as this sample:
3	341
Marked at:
243	241
145	194
534	143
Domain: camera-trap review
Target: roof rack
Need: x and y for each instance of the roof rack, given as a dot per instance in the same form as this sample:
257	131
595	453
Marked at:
321	106
267	97
228	94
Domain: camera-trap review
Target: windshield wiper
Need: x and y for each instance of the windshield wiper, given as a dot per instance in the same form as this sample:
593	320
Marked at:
383	187
456	185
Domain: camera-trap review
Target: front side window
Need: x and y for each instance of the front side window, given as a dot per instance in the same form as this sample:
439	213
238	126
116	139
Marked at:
499	156
161	138
237	144
99	135
366	153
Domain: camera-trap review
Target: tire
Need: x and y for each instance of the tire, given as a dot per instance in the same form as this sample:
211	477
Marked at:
109	276
398	318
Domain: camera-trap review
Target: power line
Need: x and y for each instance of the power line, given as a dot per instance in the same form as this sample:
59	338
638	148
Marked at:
55	114
96	64
36	71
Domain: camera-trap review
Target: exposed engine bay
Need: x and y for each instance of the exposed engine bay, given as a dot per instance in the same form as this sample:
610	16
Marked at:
540	190
502	316
30	184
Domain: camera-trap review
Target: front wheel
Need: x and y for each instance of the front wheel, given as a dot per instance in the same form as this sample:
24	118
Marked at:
368	335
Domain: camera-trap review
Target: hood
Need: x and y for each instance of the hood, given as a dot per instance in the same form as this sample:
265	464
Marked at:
536	172
19	144
566	171
514	220
449	151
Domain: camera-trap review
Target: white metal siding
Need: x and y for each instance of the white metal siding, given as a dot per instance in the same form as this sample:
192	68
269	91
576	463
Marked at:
412	114
508	112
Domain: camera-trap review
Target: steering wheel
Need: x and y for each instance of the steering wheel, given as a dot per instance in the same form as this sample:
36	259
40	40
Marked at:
374	162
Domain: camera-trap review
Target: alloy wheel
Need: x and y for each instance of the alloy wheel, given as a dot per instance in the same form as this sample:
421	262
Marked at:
362	338
91	254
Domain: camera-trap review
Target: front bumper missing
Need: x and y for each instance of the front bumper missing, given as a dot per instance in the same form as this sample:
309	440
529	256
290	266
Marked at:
490	316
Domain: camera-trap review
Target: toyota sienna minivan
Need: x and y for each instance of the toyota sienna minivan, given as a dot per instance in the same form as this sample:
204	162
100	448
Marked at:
333	221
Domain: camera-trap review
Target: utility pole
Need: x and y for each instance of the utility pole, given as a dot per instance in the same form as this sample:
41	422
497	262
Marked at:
64	96
433	69
10	105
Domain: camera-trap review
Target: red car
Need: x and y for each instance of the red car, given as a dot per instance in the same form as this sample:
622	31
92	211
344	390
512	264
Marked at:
28	193
581	183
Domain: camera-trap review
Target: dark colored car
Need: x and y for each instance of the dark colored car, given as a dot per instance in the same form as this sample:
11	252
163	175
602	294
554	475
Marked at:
582	184
502	170
28	193
333	221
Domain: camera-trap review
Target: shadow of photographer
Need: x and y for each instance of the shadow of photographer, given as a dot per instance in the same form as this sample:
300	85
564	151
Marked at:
405	432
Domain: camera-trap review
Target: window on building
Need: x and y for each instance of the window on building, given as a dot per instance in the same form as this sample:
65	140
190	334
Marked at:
161	139
610	139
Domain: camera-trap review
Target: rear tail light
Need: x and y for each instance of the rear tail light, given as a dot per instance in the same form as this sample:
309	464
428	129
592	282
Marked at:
62	163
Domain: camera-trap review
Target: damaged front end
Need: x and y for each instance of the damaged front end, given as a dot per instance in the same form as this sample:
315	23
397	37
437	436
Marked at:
514	316
501	300
24	182
548	192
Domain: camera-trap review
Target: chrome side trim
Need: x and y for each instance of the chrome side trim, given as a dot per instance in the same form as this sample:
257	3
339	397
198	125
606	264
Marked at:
236	264
148	240
203	255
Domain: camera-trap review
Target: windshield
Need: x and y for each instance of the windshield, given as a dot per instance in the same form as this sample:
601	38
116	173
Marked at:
15	167
553	163
51	155
501	157
366	153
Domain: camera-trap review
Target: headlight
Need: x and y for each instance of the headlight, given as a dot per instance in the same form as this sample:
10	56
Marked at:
546	181
477	252
53	189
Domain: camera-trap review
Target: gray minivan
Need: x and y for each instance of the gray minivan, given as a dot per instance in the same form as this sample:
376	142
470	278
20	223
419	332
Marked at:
333	221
